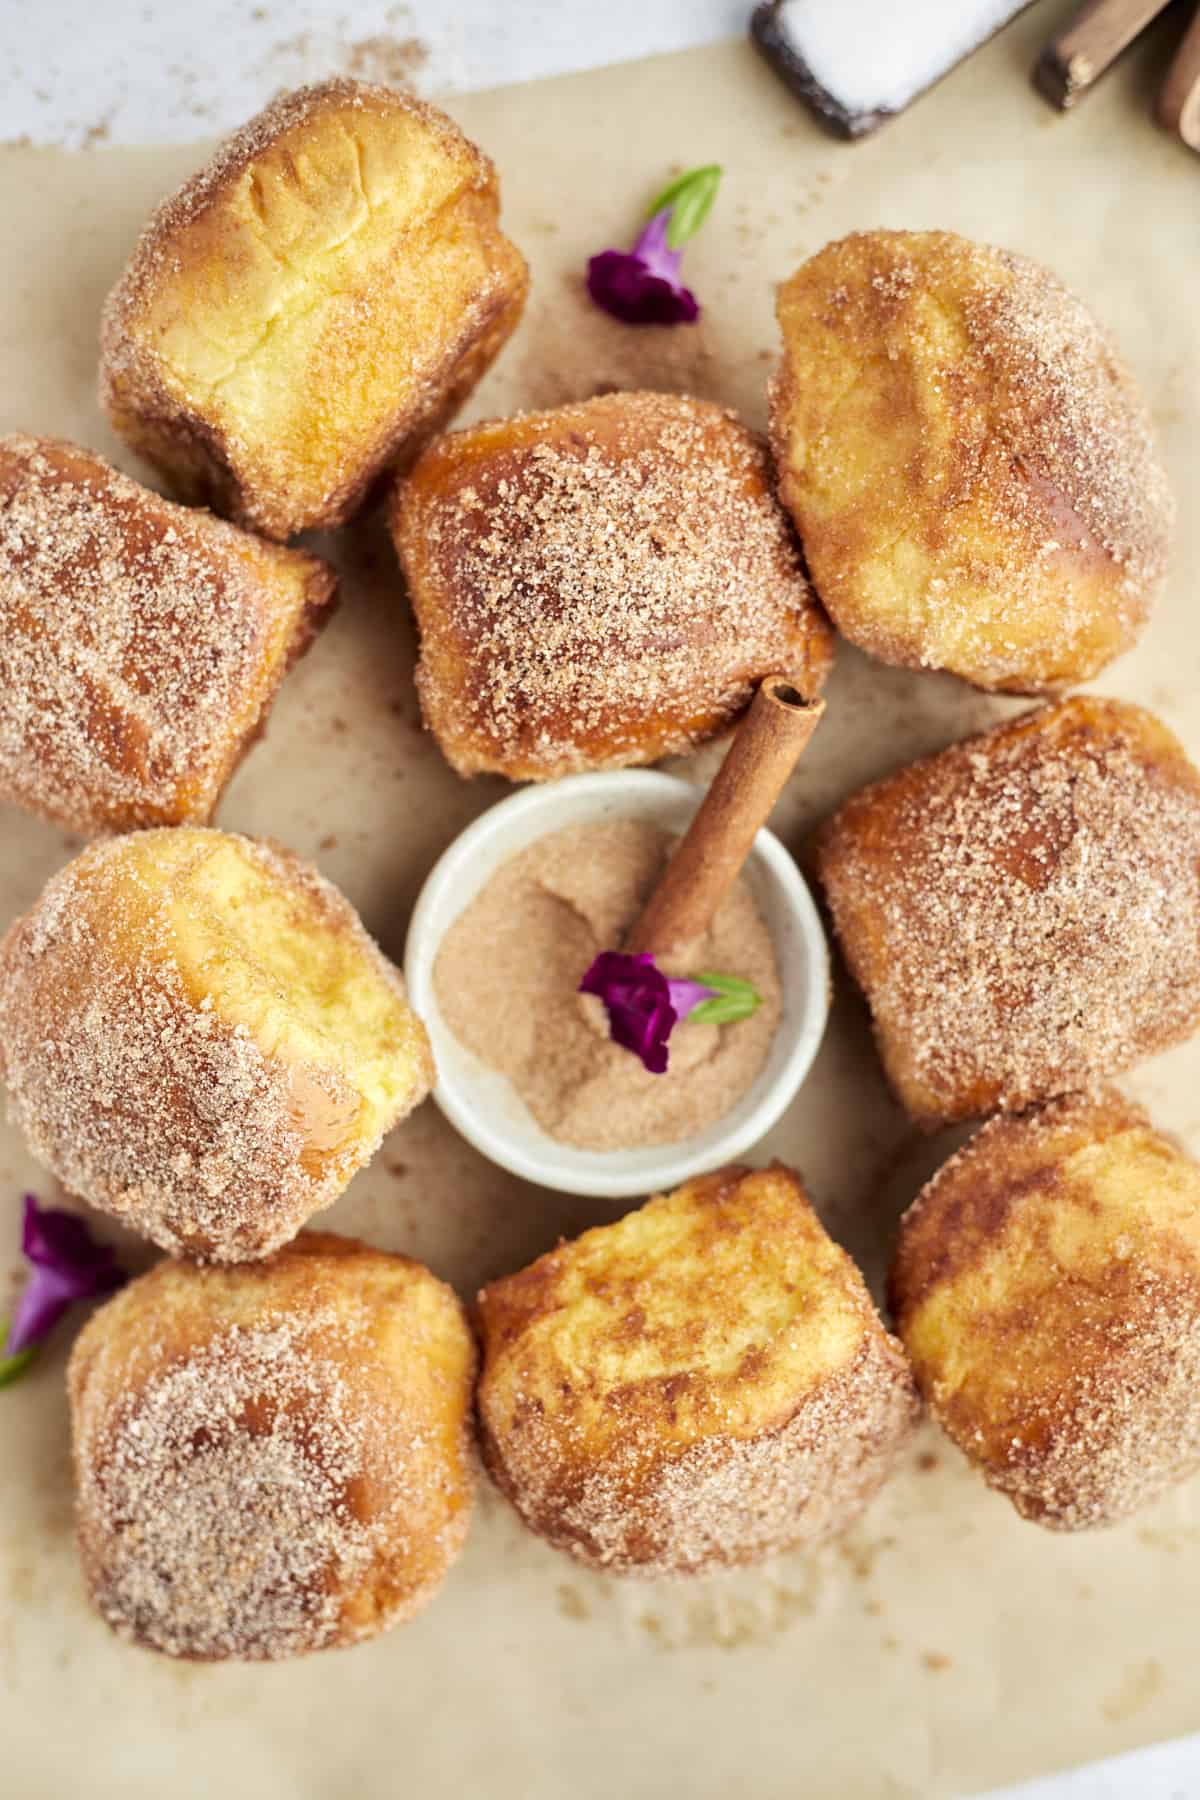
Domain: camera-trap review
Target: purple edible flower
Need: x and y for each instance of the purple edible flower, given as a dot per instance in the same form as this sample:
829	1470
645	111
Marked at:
67	1264
637	998
642	286
643	1006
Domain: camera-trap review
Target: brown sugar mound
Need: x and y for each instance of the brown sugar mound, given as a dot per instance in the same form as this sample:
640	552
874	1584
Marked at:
534	928
968	461
601	585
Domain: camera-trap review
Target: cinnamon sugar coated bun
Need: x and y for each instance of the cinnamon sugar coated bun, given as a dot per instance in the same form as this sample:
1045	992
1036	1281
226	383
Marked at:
1022	911
968	461
1047	1288
199	1037
141	643
311	305
599	586
272	1459
697	1386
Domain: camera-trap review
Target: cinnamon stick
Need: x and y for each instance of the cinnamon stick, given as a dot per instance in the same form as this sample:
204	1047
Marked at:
1070	66
1179	101
709	857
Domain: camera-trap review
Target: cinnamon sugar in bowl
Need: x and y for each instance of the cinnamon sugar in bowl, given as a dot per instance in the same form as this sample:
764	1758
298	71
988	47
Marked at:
483	1105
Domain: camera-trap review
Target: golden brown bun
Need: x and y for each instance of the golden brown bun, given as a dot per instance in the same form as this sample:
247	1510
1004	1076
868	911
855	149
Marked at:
311	306
198	1036
275	1459
697	1386
968	461
599	586
1047	1287
141	643
1022	911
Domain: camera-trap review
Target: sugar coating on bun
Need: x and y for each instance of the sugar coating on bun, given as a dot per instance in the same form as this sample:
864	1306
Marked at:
1047	1288
601	585
141	643
272	1459
311	305
199	1036
1022	911
698	1386
968	461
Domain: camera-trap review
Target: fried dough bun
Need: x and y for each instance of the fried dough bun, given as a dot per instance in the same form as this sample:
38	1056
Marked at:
697	1386
272	1459
968	461
141	643
1047	1288
311	306
199	1037
601	585
1022	911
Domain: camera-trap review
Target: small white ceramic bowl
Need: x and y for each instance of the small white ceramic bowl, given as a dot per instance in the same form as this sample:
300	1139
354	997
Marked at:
482	1104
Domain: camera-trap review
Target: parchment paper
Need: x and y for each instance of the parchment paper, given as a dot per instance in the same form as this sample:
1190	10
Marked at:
947	1645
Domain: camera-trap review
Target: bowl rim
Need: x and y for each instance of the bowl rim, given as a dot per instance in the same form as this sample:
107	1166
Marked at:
590	1172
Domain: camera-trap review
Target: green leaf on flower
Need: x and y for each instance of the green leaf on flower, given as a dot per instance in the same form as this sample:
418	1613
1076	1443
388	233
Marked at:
733	999
690	197
13	1367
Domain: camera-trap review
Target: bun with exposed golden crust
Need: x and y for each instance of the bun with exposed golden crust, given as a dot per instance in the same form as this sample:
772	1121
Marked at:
968	461
698	1386
311	306
1047	1288
198	1036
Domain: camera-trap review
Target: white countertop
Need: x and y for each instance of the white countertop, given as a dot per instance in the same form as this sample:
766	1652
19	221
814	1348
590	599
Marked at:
150	71
161	71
